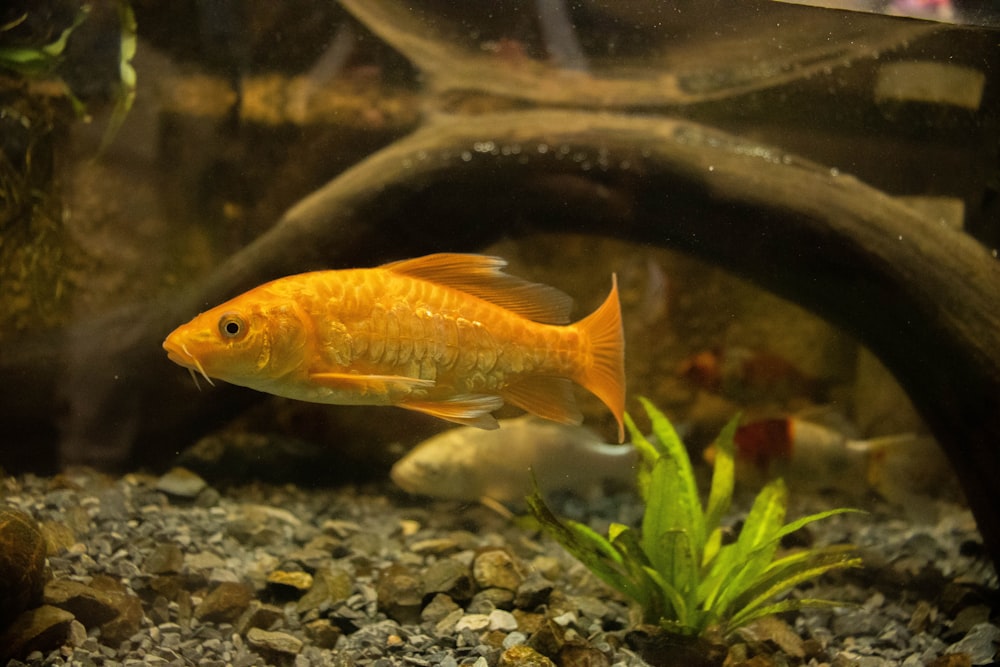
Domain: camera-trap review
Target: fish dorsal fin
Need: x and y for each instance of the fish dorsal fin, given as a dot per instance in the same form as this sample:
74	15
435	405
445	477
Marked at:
483	277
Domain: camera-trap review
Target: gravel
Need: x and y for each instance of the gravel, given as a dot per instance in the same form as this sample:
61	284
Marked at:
170	570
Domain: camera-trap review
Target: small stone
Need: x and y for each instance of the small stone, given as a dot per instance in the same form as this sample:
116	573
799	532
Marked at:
968	618
449	576
773	629
549	638
951	660
181	482
496	568
203	561
126	624
582	654
446	625
22	563
59	537
533	591
440	606
528	622
474	622
922	617
166	558
259	615
548	566
980	644
294	582
44	629
489	599
523	656
330	585
439	546
224	604
400	593
408	527
323	633
77	634
502	620
89	605
274	642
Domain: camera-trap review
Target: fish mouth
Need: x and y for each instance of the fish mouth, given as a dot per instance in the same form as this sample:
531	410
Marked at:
179	354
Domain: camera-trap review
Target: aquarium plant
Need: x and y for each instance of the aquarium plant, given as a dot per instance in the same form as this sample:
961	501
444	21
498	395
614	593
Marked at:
677	566
42	61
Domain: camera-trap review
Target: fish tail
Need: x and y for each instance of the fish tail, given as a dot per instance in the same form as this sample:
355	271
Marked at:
604	376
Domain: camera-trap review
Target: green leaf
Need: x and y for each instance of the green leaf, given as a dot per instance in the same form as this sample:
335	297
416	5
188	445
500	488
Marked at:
783	606
682	496
739	564
40	61
126	75
785	584
678	611
586	545
648	456
720	493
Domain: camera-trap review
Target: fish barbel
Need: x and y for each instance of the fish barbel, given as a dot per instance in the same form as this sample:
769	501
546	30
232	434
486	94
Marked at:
448	335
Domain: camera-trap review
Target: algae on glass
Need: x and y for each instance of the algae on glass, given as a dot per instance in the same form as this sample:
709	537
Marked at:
676	566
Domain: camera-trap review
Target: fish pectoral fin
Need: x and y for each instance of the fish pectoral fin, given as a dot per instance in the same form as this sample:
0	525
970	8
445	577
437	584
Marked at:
545	396
467	409
369	384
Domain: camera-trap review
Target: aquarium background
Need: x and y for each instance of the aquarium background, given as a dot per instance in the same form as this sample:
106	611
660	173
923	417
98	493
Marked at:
799	202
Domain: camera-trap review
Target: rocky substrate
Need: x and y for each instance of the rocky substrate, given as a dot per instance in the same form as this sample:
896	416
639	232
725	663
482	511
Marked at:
145	571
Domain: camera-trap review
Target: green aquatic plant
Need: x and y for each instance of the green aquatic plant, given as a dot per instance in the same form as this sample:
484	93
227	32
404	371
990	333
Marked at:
43	62
38	61
677	567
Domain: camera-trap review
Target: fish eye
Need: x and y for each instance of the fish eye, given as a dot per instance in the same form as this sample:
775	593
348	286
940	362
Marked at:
232	326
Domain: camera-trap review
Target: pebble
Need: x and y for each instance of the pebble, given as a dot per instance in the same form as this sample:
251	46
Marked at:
181	482
298	582
22	562
472	622
166	558
449	576
523	656
40	629
330	586
189	585
275	642
502	620
496	568
439	607
224	603
980	644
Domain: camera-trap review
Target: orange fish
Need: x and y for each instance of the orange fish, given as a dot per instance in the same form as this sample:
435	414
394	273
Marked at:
449	335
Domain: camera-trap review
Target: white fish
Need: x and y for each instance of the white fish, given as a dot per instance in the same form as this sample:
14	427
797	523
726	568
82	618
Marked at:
471	464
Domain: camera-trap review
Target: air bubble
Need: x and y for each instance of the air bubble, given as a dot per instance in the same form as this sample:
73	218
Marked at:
466	156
